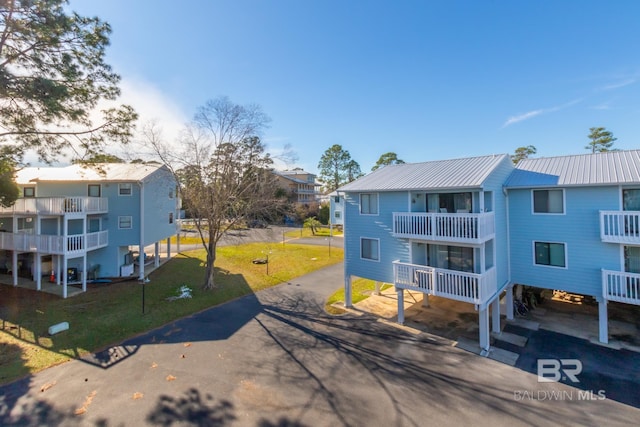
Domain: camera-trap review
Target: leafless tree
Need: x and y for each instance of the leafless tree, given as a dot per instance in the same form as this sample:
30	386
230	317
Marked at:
223	170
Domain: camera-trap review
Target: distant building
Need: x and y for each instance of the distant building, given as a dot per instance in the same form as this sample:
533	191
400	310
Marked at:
301	186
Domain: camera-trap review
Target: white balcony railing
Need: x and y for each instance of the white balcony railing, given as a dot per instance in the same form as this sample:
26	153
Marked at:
449	227
48	244
621	287
458	285
620	226
58	205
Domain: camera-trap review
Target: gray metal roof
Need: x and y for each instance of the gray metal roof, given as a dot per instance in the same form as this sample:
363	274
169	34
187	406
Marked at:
470	172
117	172
609	168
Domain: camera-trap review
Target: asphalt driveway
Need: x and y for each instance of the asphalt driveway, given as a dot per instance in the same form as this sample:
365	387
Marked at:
277	359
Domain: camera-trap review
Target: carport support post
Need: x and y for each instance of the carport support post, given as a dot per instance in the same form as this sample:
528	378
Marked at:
348	301
483	319
377	289
509	302
495	316
603	321
400	293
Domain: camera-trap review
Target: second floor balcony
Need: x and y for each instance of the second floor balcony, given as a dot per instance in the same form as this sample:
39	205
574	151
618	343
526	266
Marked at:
53	244
473	228
58	205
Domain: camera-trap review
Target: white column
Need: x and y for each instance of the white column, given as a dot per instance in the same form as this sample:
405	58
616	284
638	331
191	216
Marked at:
38	271
14	267
400	293
84	272
425	299
168	248
377	289
603	321
65	266
483	319
348	301
141	257
509	302
156	258
495	315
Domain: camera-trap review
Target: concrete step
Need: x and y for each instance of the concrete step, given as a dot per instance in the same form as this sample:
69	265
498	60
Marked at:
498	354
510	338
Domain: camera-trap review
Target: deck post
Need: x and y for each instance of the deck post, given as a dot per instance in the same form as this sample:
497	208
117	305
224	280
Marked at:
400	293
14	267
483	319
603	328
348	302
509	302
495	316
377	288
425	300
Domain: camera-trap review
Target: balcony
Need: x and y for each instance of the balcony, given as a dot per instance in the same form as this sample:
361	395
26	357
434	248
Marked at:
473	288
58	206
621	287
51	244
472	228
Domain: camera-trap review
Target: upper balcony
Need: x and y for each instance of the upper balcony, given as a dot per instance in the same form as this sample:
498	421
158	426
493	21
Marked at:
58	205
474	228
474	288
620	226
52	244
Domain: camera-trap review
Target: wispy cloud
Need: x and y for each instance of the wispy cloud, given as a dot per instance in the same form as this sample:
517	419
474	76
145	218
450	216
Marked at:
534	113
619	84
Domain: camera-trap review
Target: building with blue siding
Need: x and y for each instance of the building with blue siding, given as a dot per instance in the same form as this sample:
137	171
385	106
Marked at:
470	229
78	223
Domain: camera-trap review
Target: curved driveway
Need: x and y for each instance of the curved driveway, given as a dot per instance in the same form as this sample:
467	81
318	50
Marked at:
276	358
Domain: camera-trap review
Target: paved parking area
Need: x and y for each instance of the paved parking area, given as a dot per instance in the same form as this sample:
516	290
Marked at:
277	359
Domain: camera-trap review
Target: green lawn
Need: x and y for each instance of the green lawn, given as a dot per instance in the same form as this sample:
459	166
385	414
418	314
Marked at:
111	313
360	289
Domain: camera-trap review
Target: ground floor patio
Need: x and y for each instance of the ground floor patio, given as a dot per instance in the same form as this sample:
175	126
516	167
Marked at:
568	314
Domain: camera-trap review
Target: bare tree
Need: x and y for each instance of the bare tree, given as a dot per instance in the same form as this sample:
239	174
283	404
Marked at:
223	170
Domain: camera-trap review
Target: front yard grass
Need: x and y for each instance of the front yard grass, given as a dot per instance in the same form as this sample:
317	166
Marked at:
107	314
360	289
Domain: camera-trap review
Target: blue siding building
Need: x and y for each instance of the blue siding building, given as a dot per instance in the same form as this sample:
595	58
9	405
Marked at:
470	229
78	223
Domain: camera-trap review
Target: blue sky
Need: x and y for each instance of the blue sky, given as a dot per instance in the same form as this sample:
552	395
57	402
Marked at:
427	80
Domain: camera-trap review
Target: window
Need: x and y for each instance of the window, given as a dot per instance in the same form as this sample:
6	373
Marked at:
29	192
336	214
94	190
170	217
125	222
124	189
93	225
551	254
631	200
369	204
548	201
336	199
369	249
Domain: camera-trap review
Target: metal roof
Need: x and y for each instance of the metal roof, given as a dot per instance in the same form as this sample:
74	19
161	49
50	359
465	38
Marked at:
470	172
117	172
609	168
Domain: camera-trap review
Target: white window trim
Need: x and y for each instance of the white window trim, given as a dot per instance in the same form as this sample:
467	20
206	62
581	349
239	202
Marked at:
94	185
564	202
377	204
130	221
120	189
566	257
369	259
